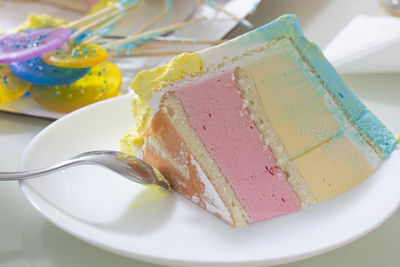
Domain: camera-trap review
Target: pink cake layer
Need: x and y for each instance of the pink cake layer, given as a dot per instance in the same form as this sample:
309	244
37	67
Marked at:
214	109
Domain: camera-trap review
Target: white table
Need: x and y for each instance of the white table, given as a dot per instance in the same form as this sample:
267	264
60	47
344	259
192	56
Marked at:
27	239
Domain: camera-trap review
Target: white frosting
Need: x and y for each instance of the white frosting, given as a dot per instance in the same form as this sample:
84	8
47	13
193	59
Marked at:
211	198
180	164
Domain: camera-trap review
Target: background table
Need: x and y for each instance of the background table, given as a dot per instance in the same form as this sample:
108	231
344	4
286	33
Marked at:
27	239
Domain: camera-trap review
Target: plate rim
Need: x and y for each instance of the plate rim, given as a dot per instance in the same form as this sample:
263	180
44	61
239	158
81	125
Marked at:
35	198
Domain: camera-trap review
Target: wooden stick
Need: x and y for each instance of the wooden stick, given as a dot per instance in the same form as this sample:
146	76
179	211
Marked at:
244	21
169	7
114	20
150	46
117	7
159	31
95	37
168	39
90	17
223	10
88	26
144	54
154	21
182	42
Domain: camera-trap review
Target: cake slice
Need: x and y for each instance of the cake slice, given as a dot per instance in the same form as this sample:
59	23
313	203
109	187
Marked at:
257	127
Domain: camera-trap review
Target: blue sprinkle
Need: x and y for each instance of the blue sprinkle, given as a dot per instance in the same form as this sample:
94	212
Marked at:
341	95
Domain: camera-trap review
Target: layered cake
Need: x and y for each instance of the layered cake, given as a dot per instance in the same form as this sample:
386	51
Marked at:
257	127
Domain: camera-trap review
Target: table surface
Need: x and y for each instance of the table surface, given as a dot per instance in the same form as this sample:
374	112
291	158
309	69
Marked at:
27	239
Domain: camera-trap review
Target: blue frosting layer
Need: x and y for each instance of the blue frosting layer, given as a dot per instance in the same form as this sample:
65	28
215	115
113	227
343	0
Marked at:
287	26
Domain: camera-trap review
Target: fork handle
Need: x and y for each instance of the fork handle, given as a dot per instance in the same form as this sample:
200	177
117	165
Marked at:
22	175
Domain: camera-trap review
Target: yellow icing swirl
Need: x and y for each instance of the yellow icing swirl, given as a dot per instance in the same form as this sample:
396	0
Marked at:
145	84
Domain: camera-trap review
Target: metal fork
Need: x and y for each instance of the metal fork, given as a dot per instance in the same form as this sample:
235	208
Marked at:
128	166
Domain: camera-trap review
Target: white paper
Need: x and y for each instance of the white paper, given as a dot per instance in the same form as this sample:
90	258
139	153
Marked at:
367	44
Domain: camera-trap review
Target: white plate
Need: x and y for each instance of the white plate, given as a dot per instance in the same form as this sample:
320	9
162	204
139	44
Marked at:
110	212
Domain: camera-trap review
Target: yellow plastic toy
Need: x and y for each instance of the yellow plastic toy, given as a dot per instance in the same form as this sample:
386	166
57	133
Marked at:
76	55
103	81
11	87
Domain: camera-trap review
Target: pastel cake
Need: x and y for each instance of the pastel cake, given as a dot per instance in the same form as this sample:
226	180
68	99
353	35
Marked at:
257	127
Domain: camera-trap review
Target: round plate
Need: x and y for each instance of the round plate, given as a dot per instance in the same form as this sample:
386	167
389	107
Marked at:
110	212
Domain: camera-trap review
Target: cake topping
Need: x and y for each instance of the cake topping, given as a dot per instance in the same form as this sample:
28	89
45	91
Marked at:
145	84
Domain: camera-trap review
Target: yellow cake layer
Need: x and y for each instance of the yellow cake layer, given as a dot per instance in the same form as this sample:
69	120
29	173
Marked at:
315	133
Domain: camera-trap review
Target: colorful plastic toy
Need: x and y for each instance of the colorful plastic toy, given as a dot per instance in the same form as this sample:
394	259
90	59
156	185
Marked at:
37	72
76	55
11	87
102	81
24	46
